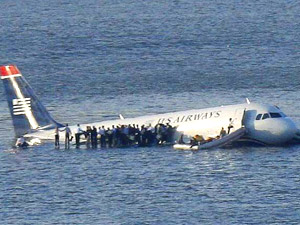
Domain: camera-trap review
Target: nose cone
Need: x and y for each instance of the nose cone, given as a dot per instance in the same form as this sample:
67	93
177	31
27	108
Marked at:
284	130
274	131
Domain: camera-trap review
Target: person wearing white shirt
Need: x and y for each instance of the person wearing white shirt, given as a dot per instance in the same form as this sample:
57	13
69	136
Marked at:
78	132
101	131
230	126
21	142
68	134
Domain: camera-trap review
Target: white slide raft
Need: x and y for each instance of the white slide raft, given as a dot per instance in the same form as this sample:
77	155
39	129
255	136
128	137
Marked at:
215	143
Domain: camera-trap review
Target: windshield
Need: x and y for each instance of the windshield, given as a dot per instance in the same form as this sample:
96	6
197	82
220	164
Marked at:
264	116
275	115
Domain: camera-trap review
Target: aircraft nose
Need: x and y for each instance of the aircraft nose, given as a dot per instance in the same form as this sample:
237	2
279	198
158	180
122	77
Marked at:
274	131
286	129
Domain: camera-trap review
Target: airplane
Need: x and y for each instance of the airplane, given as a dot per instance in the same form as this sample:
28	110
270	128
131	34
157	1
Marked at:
264	123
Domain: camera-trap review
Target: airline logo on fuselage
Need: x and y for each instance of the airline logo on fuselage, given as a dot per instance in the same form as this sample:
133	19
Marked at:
190	118
21	106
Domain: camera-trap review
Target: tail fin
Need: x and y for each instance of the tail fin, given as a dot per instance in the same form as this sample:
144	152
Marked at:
27	112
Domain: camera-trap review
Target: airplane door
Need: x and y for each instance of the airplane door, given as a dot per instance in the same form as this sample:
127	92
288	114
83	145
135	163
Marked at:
239	117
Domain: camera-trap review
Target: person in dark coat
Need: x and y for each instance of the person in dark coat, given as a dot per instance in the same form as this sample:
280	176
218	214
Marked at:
94	137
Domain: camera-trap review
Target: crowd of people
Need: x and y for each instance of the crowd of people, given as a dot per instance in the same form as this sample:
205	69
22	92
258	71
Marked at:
125	135
118	136
128	135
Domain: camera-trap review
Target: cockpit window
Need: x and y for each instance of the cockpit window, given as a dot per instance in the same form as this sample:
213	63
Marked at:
275	115
265	116
258	117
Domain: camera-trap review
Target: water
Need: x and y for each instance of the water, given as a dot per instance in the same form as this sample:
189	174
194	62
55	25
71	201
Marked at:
91	60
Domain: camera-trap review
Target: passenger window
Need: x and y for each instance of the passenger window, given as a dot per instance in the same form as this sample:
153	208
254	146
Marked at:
258	117
275	115
265	116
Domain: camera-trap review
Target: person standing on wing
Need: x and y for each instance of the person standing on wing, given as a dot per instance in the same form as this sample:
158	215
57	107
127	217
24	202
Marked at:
56	137
79	132
67	137
101	131
230	126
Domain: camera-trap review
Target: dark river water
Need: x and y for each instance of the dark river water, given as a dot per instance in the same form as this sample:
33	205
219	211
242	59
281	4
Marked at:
92	60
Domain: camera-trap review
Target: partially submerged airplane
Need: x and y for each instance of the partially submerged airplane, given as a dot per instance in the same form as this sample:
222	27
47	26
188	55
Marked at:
263	123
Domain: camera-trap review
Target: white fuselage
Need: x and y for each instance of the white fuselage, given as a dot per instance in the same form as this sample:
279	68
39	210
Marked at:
276	129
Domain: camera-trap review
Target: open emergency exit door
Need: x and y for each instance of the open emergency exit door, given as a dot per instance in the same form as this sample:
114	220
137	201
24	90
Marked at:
239	118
